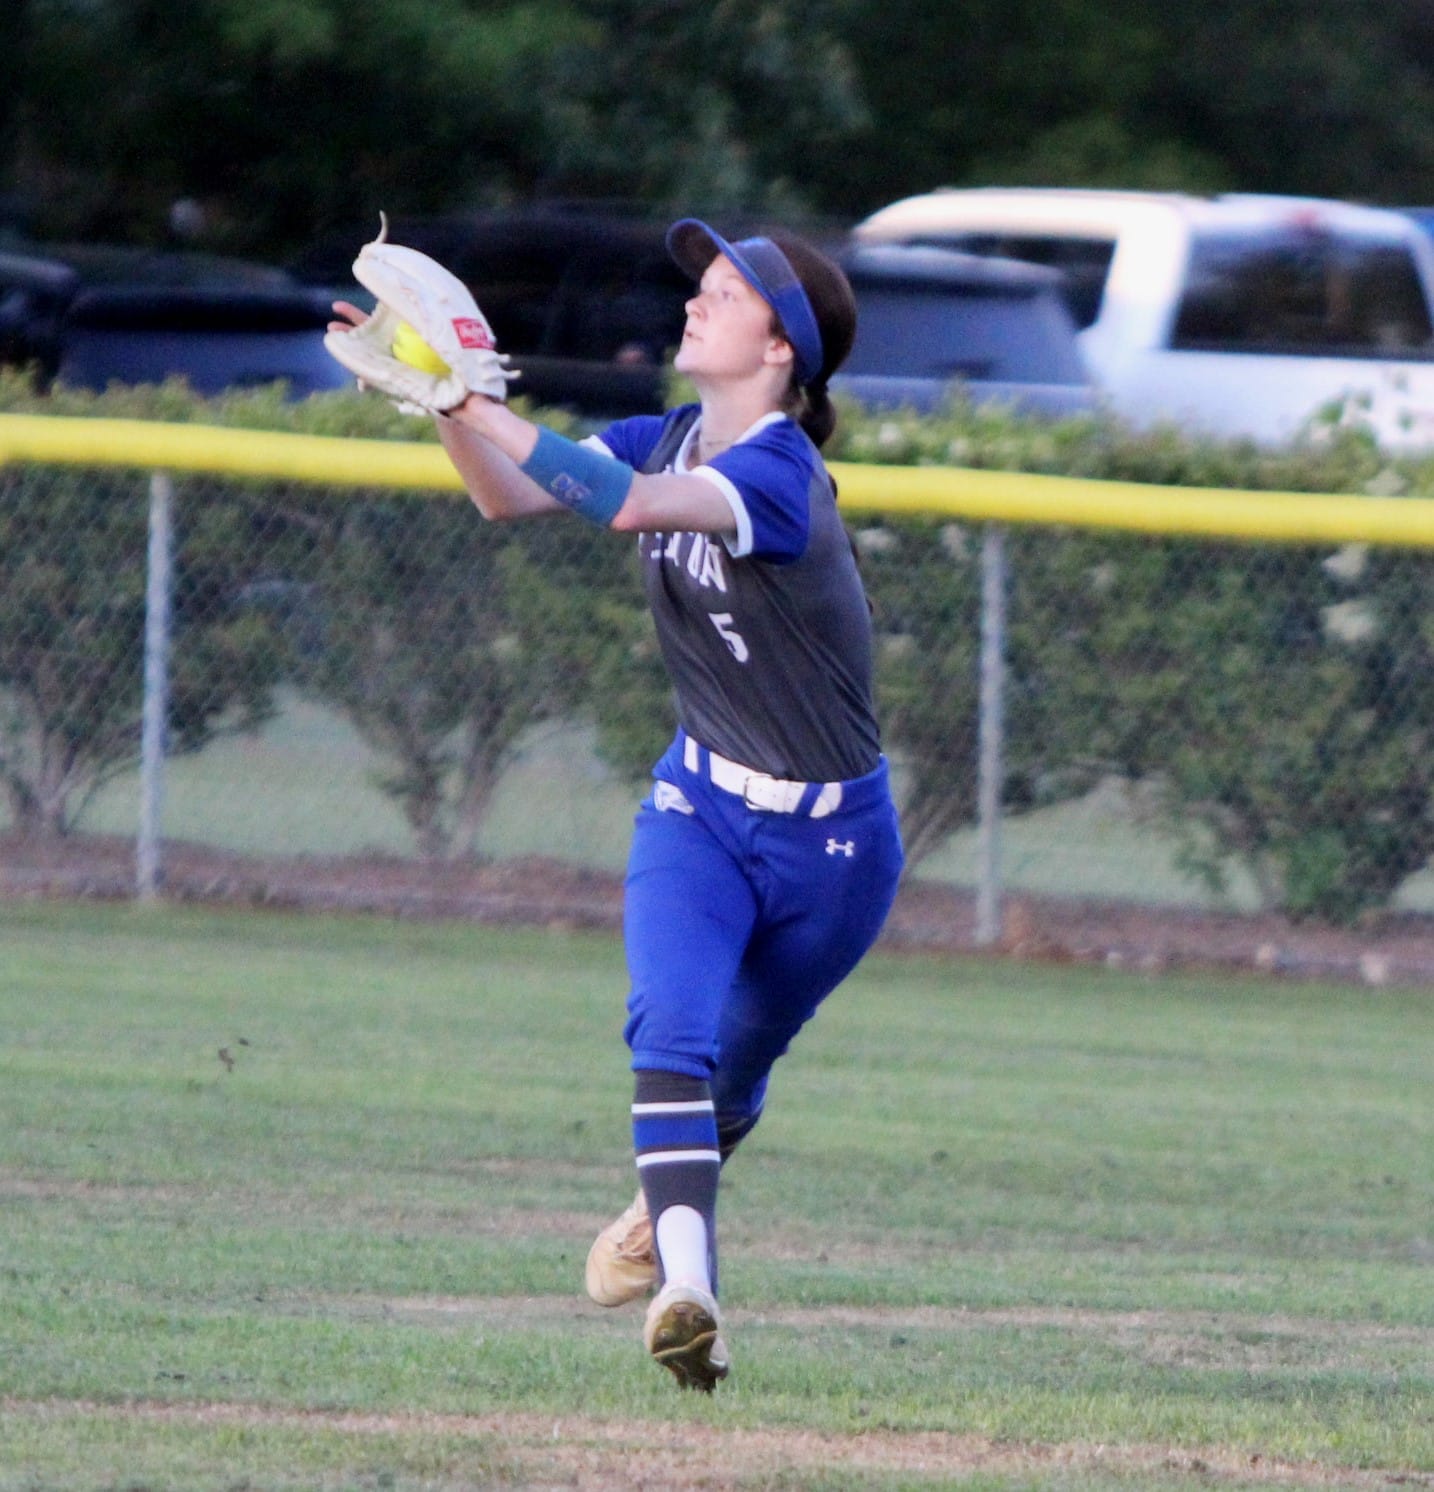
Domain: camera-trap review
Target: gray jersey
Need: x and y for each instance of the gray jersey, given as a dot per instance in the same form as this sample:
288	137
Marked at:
767	639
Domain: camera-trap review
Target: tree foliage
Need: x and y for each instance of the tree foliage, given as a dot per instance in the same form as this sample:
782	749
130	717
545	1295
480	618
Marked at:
283	121
726	105
443	641
279	119
1327	97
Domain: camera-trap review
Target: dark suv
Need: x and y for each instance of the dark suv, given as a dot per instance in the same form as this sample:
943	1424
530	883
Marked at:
931	322
587	303
91	315
590	307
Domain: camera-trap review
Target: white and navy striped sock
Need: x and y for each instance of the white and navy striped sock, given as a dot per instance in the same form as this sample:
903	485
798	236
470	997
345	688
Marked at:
674	1136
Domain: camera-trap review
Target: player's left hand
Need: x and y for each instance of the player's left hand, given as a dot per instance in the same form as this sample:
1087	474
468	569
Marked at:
416	295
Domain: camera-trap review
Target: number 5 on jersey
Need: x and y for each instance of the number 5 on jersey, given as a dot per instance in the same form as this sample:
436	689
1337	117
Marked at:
722	620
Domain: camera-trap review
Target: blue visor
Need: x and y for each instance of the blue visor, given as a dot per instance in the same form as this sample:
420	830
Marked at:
768	271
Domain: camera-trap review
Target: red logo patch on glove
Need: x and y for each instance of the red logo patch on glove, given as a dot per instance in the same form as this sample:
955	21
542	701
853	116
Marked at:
472	333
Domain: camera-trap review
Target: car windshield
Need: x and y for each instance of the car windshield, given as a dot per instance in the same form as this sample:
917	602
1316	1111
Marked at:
990	334
1305	291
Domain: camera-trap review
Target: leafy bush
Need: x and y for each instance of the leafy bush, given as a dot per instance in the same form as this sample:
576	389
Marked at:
1271	699
72	616
1267	696
443	640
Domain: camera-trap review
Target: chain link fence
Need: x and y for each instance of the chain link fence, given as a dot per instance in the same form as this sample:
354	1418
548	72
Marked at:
356	672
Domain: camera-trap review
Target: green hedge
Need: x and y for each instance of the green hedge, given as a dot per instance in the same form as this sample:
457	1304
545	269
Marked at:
1271	701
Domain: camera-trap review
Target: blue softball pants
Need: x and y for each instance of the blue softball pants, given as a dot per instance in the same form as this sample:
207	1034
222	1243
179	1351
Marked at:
739	922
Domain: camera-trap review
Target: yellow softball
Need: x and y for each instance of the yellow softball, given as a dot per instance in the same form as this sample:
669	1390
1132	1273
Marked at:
410	348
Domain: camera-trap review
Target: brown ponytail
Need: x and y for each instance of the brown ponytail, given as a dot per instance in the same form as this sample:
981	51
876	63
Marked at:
834	307
814	411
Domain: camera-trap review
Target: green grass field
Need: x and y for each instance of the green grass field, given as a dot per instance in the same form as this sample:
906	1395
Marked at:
303	1203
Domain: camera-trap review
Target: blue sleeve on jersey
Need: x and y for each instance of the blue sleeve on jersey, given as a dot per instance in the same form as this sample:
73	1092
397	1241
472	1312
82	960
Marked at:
772	473
633	440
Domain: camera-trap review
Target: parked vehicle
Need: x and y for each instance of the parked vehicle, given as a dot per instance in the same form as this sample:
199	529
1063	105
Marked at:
932	322
1235	315
586	302
89	315
590	307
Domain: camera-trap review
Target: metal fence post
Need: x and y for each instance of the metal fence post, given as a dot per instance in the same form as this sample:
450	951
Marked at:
158	582
991	734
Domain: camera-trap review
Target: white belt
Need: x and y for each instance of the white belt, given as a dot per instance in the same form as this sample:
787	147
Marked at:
757	789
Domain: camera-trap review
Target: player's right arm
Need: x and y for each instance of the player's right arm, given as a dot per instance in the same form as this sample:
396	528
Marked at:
493	477
510	467
496	452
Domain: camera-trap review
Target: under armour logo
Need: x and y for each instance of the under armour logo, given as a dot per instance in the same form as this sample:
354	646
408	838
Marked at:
841	847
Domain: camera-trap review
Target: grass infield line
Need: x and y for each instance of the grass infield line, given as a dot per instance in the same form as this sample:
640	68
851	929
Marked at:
623	1453
1250	1329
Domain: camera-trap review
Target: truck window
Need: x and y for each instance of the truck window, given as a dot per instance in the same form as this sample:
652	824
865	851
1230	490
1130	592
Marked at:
956	331
1302	291
1084	262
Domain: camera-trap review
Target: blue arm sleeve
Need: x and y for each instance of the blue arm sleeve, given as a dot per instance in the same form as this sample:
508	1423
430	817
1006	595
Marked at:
593	485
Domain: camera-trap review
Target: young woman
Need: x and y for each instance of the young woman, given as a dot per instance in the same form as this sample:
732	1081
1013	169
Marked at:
765	861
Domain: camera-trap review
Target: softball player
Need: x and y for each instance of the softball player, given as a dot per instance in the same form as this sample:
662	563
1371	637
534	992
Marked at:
766	858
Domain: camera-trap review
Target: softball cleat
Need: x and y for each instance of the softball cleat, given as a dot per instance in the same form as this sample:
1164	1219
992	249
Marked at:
683	1334
622	1263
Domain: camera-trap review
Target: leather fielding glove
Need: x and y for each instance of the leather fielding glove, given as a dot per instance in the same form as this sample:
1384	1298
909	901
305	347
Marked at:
416	294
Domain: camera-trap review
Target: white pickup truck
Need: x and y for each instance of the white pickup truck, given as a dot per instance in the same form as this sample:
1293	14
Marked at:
1233	315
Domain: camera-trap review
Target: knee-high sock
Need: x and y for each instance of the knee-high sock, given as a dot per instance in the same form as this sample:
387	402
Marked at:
674	1136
